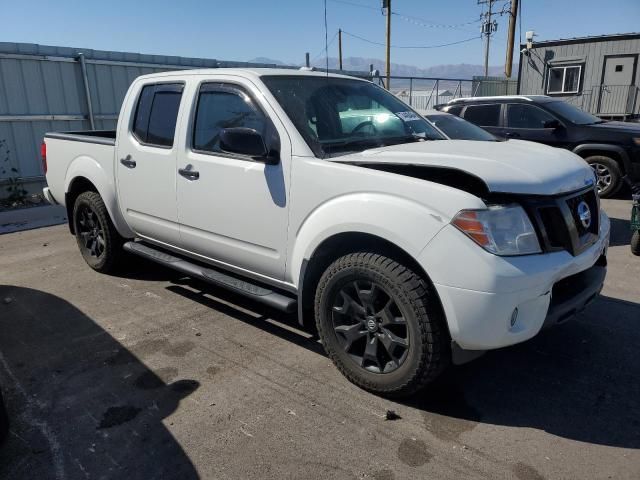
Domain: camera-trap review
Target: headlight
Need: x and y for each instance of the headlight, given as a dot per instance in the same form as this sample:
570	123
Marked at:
502	230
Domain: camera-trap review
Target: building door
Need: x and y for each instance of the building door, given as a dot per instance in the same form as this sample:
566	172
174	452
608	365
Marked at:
617	92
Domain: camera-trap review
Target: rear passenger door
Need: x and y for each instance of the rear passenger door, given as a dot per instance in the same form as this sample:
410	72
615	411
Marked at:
530	122
146	162
487	116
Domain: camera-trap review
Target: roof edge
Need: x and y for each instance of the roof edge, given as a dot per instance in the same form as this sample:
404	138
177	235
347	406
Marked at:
592	39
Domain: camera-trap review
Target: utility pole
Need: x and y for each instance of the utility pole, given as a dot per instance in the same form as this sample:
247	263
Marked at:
306	59
488	27
508	64
386	4
340	48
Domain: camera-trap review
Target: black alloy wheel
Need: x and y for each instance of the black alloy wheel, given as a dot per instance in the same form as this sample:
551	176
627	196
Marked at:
90	231
370	327
381	324
98	240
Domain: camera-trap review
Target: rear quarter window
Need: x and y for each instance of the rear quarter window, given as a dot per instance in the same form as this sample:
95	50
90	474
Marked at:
157	114
483	115
455	110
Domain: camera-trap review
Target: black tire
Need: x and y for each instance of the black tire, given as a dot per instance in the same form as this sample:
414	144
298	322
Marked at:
417	321
635	243
99	242
4	421
608	175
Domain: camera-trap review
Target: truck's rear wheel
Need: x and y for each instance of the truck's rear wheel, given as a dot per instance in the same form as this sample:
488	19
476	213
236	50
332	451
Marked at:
98	240
608	175
379	325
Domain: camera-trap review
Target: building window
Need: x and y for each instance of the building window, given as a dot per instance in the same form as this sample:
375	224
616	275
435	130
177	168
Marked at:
564	79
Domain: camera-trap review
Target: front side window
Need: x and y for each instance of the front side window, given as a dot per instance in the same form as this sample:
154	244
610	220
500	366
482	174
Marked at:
157	114
221	107
564	79
483	115
336	116
527	116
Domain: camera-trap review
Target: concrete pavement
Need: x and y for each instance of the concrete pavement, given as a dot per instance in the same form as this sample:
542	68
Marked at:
150	375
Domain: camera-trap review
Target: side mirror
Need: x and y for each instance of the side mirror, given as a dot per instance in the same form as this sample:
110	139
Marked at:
552	124
246	141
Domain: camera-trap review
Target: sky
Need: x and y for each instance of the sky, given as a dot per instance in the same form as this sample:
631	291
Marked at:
286	29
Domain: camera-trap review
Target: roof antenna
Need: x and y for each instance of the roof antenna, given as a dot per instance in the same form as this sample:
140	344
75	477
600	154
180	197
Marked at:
326	40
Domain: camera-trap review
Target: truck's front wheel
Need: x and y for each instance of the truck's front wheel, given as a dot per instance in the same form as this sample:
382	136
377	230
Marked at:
379	325
98	240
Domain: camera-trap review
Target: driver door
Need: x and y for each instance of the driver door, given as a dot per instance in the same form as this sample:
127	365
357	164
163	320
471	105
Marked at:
233	209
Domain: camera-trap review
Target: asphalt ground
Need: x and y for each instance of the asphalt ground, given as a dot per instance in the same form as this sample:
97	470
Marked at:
151	375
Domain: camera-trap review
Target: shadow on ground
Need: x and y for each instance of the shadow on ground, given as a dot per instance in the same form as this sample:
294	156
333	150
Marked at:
578	381
80	404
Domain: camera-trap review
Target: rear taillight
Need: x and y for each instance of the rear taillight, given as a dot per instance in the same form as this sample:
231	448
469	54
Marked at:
43	155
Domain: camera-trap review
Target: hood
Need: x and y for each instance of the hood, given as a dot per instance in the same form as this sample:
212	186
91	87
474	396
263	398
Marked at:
514	166
622	127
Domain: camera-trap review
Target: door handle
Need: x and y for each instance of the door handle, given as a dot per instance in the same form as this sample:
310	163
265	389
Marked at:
128	162
188	173
512	135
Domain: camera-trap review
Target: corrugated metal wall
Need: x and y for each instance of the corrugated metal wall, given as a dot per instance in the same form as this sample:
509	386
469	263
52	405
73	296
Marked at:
587	52
42	89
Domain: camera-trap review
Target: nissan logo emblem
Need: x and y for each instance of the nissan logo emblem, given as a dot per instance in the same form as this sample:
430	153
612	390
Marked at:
584	213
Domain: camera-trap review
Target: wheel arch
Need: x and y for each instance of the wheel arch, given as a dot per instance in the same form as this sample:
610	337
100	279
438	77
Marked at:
344	243
615	152
87	174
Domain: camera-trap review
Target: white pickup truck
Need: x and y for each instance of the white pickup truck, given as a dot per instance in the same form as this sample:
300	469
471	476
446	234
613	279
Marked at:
327	195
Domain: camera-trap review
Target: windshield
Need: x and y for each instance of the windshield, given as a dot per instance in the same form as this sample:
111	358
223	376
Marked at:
572	114
458	129
337	116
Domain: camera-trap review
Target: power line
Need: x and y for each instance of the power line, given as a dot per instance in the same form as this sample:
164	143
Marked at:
325	49
419	21
410	46
409	18
353	4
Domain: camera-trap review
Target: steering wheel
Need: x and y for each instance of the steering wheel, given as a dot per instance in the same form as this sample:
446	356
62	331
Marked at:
367	123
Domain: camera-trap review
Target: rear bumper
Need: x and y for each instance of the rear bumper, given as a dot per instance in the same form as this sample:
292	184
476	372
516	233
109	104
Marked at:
49	196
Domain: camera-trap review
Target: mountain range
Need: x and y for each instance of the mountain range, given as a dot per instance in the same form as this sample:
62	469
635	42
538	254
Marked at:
360	64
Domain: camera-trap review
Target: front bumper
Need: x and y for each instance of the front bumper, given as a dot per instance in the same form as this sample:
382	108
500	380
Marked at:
571	295
492	302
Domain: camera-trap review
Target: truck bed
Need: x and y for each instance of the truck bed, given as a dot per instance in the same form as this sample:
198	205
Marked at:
102	137
87	153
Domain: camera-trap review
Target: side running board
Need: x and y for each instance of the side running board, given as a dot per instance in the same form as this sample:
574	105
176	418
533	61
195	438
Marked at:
215	277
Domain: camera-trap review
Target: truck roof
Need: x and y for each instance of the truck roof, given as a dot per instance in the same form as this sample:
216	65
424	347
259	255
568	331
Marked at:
248	72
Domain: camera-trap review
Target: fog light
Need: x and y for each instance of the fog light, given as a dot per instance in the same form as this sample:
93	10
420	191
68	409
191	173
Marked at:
514	316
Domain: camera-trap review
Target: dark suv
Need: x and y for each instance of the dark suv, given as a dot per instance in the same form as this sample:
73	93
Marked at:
611	148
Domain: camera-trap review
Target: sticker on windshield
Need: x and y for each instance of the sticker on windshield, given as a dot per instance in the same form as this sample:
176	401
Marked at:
408	116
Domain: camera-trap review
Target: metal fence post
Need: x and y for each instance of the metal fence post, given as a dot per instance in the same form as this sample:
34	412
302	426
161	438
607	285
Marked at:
87	92
410	90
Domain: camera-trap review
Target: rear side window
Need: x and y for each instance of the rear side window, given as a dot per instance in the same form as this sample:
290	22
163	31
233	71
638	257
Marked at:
455	110
222	107
483	115
157	114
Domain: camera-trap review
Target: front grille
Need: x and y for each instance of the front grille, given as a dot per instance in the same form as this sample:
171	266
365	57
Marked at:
591	200
558	223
